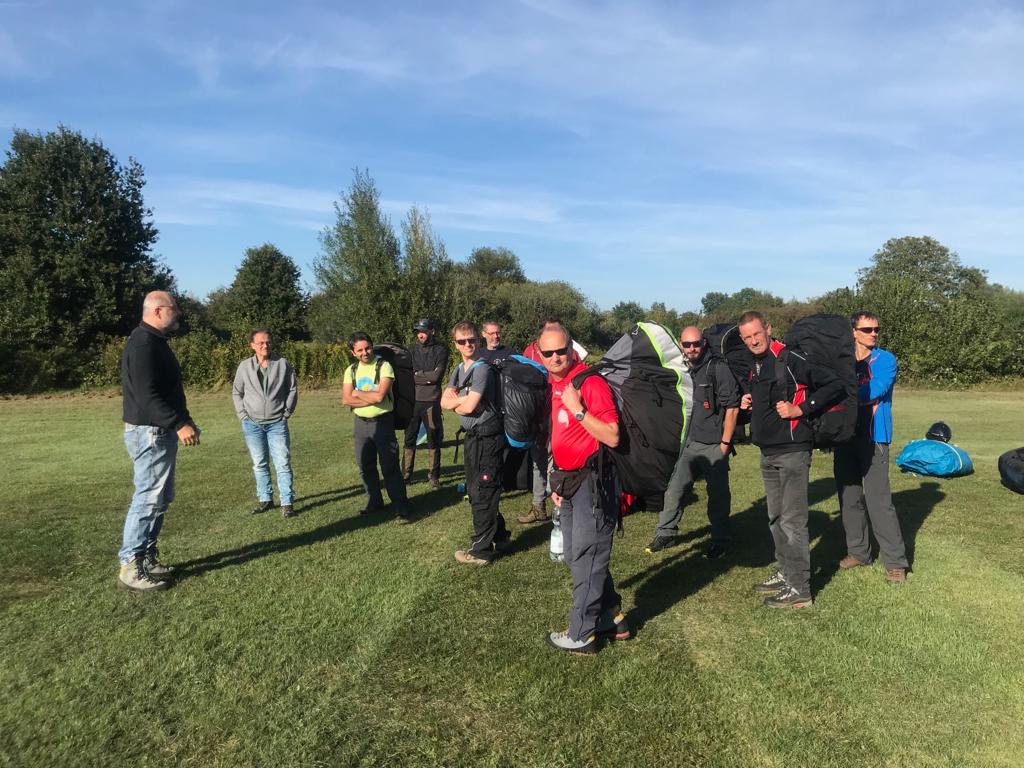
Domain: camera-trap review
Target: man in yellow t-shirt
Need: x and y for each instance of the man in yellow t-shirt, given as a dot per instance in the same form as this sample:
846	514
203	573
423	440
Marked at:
367	389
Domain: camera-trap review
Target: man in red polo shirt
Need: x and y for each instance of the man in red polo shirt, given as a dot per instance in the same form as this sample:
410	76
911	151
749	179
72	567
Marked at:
586	491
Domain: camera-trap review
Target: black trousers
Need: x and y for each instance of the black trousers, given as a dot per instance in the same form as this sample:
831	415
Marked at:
483	457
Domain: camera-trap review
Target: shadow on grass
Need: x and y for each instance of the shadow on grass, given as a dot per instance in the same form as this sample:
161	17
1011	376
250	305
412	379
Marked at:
312	501
913	508
258	549
676	577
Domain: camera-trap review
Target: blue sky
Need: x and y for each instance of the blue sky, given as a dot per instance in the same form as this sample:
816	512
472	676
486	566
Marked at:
643	151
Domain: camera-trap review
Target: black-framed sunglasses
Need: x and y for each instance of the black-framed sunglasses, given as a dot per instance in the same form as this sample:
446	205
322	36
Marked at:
871	329
549	352
687	344
464	342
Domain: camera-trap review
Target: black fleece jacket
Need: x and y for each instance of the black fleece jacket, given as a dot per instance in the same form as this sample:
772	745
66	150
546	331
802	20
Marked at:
151	381
812	387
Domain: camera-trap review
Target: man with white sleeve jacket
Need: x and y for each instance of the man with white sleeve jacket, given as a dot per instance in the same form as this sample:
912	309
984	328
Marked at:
779	406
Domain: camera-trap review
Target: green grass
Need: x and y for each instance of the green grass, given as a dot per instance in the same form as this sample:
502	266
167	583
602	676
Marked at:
333	640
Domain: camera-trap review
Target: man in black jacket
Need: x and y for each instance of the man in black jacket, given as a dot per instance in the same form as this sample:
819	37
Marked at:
712	420
780	399
155	418
429	362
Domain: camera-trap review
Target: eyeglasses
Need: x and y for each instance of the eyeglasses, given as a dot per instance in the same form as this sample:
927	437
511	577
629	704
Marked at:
871	329
464	342
687	344
549	352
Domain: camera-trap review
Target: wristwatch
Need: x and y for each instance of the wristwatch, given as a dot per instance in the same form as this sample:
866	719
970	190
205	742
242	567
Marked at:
580	413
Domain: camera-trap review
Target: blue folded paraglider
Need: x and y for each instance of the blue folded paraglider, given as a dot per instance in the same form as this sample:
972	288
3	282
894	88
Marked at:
935	459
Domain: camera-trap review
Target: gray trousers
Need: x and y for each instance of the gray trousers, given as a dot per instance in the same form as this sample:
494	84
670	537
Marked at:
862	479
375	439
709	461
539	456
785	488
588	526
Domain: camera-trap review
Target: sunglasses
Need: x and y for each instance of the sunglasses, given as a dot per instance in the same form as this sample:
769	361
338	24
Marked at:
871	329
464	342
687	344
549	352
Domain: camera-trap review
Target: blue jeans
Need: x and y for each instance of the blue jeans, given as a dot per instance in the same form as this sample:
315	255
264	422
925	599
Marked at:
153	451
272	439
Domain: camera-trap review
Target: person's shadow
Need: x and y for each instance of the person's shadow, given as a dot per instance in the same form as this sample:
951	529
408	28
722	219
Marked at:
676	577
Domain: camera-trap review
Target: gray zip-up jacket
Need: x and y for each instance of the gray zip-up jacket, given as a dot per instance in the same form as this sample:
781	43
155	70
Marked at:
279	398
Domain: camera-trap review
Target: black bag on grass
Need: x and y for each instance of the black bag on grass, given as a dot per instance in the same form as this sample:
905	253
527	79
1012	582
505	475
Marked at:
1011	469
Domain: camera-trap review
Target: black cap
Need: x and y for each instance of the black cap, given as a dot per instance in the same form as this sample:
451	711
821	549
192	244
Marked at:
939	431
424	324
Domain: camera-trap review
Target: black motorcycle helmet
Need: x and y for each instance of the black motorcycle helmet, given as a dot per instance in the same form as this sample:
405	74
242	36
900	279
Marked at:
424	324
939	431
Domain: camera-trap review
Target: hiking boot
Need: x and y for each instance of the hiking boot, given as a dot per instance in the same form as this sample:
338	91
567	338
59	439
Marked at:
288	511
895	575
261	507
660	543
408	459
537	514
562	642
613	625
435	483
850	561
133	578
369	509
404	515
435	467
155	568
468	558
788	598
774	584
715	551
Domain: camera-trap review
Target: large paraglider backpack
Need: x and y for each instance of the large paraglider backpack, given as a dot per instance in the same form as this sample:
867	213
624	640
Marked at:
827	342
523	385
935	459
646	371
724	343
1011	469
403	388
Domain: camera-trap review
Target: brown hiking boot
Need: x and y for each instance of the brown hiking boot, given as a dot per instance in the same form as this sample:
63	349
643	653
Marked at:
895	575
408	459
537	514
849	562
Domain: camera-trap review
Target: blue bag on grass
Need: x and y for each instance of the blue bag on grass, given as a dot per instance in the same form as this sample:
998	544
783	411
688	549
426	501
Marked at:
934	458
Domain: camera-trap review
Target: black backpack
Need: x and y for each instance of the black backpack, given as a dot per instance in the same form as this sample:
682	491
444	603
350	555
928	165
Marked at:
647	374
724	344
403	389
826	341
523	398
1011	469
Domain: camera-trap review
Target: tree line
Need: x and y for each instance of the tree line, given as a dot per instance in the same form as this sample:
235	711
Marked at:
76	258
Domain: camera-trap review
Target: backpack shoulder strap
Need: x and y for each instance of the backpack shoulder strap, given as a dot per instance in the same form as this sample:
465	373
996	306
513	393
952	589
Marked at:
352	373
376	371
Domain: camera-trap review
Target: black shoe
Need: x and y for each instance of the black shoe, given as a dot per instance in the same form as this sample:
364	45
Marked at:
715	551
776	583
369	509
404	515
789	598
261	507
288	511
660	543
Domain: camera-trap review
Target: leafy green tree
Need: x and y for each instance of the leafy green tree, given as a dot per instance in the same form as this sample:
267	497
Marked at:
266	292
496	265
426	273
359	271
521	307
75	254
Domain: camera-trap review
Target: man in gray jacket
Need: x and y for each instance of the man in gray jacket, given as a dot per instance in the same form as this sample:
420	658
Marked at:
265	394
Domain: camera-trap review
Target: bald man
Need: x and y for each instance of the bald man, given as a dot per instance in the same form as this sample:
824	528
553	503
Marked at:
155	419
716	400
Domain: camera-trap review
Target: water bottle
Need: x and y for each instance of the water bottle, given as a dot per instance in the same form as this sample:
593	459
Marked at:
555	550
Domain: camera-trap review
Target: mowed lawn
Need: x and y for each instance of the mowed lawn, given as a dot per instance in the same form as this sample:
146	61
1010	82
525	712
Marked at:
332	639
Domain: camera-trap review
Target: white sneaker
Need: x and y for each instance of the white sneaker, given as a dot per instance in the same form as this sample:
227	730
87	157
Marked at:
562	642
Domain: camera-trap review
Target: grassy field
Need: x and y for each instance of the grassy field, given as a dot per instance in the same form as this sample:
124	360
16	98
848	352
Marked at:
333	640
